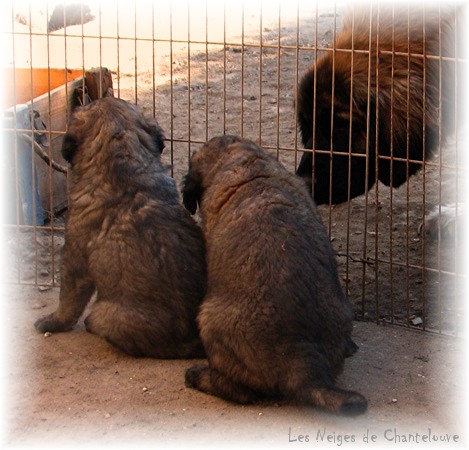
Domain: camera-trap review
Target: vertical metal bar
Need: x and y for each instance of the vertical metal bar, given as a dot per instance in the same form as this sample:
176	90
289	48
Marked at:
49	148
83	84
206	72
278	84
171	83
331	137
242	69
67	104
224	67
100	40
189	80
424	145
118	52
260	73
440	172
15	149
297	70
377	118
315	70
457	234
407	170
153	60
33	170
367	157
350	149
135	53
391	165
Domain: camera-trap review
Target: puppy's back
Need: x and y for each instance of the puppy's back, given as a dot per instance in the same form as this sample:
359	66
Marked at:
274	321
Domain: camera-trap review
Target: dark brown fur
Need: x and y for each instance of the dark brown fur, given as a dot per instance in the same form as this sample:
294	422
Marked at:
274	322
128	237
391	102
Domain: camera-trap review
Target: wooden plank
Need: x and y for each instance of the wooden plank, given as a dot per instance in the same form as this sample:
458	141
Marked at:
54	98
17	83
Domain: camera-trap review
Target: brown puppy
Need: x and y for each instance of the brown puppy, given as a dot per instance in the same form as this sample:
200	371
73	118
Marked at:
128	237
274	322
382	100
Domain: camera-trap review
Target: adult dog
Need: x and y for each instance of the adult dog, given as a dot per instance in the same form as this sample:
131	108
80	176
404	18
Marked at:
128	237
376	109
274	322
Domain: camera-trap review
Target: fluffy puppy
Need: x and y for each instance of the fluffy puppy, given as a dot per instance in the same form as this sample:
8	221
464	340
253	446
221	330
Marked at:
128	237
381	100
274	322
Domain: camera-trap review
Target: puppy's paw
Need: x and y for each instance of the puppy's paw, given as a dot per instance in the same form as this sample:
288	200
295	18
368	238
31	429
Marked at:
354	405
195	374
51	324
350	347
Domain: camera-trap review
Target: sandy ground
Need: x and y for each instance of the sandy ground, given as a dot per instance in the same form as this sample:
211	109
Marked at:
72	388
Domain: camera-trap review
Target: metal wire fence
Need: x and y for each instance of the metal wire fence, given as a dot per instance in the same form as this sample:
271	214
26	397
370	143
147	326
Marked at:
209	68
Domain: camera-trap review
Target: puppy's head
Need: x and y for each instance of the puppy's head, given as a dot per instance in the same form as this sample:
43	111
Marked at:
110	128
201	164
228	154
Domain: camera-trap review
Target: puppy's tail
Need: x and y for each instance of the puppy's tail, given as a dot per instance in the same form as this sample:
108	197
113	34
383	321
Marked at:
339	401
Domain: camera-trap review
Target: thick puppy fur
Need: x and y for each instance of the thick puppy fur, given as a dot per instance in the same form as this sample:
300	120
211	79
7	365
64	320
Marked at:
274	322
128	237
380	102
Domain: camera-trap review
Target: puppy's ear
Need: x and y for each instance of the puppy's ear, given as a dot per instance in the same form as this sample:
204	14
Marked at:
192	190
156	133
72	139
69	147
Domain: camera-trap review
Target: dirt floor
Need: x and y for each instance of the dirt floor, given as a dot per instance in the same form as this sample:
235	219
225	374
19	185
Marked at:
73	388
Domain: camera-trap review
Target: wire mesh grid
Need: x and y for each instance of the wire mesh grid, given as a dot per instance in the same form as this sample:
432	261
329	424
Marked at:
209	68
